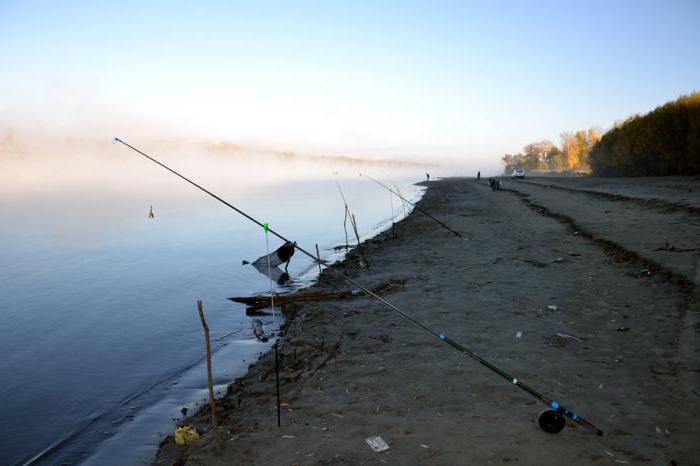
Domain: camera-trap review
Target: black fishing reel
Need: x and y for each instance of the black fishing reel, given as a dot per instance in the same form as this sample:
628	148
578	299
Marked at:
551	421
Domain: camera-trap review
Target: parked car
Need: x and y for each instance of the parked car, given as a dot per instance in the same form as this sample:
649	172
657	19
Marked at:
518	174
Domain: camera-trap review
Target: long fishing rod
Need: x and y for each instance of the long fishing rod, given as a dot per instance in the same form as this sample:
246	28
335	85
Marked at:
414	205
551	420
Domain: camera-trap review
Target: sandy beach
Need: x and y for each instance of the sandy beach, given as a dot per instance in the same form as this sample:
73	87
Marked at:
587	289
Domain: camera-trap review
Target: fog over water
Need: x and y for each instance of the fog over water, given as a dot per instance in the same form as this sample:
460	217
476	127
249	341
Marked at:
102	340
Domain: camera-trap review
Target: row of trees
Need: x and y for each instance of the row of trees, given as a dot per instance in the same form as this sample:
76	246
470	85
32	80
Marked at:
665	141
573	155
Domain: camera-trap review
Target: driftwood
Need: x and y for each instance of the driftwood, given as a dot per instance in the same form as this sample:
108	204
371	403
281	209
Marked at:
212	399
258	303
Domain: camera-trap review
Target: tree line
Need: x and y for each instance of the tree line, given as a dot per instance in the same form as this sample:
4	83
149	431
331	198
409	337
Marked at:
665	141
572	156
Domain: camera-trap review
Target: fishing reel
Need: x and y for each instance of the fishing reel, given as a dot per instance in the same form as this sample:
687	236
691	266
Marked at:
551	421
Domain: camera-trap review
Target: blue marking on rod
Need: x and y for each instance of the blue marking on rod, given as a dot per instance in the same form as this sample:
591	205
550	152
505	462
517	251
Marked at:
441	336
554	405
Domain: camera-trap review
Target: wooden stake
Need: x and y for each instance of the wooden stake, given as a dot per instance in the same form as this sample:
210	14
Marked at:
212	400
363	259
318	256
345	227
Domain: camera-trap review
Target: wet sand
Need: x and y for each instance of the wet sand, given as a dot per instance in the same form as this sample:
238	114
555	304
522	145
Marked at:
623	274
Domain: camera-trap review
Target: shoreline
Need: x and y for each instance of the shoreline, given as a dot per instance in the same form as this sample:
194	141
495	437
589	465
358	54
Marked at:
170	453
350	369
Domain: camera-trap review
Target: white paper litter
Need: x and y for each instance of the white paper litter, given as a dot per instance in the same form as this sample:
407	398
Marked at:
377	444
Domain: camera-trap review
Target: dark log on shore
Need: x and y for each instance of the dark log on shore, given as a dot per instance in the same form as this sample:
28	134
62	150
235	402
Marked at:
258	303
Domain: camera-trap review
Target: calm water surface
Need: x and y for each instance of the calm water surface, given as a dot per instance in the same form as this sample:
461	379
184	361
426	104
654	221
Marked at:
100	337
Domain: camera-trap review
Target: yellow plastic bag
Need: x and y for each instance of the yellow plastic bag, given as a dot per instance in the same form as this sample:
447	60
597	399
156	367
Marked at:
185	435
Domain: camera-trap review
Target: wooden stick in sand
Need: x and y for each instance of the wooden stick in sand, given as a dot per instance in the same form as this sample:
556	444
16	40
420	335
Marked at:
212	400
318	256
363	259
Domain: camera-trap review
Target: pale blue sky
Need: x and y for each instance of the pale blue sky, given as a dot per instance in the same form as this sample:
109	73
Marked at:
412	79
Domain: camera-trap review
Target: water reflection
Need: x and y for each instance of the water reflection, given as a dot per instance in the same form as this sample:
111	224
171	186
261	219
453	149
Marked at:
98	312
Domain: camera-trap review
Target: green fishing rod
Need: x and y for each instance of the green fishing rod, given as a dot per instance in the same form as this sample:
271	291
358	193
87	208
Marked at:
552	420
442	224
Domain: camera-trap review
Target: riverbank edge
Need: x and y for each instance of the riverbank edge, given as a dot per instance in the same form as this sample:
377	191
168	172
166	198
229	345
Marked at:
168	452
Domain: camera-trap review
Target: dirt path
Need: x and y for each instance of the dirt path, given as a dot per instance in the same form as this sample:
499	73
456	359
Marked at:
354	369
665	234
668	192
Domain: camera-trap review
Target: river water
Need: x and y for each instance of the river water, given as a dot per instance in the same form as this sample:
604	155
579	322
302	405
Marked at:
101	341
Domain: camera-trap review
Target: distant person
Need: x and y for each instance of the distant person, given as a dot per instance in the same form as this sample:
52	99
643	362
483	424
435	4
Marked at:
150	213
478	176
427	177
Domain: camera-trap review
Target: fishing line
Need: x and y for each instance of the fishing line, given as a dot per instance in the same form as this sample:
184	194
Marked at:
414	205
557	411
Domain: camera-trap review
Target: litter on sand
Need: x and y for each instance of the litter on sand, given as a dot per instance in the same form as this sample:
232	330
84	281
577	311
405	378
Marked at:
552	307
184	435
518	334
377	444
258	330
569	337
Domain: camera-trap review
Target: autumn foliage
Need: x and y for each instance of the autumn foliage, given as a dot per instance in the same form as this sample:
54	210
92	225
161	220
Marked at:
665	141
572	156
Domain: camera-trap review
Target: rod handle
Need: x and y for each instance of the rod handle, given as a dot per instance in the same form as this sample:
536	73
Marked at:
575	417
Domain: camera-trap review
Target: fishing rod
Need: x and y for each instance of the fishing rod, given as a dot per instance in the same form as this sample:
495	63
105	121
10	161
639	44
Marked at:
414	205
552	420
